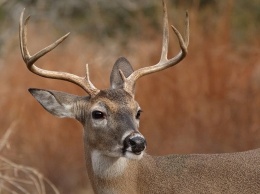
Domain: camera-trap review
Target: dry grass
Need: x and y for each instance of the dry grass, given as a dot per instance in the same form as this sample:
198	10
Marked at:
20	179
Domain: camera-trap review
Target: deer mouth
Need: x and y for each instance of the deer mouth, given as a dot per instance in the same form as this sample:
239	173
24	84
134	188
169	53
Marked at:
125	151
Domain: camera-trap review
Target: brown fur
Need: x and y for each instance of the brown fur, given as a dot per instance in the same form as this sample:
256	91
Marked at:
215	173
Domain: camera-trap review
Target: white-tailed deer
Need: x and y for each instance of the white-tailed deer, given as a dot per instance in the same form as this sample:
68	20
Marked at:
115	149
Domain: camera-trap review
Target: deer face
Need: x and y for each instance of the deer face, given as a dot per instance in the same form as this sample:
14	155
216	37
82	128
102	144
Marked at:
110	119
111	125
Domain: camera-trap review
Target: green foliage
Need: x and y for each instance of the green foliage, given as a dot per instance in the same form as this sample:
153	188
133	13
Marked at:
105	19
246	19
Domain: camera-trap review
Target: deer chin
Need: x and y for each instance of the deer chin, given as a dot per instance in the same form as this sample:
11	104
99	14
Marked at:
120	152
133	156
130	154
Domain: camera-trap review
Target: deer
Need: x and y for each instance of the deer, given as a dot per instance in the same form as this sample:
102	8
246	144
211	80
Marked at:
115	150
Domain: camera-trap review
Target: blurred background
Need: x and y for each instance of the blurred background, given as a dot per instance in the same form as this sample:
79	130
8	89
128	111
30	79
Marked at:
209	103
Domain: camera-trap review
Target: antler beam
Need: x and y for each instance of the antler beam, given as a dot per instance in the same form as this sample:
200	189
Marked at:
83	82
164	61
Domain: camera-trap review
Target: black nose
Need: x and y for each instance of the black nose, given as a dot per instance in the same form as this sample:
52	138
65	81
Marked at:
137	143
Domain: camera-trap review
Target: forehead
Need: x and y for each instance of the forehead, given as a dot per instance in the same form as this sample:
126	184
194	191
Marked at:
115	98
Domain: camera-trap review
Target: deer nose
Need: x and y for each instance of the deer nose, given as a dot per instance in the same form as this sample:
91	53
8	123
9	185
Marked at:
136	142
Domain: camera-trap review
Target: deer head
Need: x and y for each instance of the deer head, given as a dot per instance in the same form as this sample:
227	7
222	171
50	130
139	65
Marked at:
110	117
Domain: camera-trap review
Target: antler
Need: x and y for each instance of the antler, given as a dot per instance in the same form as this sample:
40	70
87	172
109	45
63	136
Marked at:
83	82
164	62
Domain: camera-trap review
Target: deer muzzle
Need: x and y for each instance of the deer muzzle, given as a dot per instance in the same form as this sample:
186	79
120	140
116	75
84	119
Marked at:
134	143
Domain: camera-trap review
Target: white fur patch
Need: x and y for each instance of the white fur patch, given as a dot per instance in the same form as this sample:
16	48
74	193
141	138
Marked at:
67	106
137	135
107	167
132	156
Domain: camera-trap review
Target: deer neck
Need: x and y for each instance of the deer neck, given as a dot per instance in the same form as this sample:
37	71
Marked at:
110	174
106	167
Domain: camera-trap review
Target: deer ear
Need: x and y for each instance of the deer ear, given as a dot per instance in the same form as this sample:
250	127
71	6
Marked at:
57	103
116	80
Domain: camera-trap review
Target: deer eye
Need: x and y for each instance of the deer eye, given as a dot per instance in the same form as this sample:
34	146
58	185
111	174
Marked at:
138	114
98	115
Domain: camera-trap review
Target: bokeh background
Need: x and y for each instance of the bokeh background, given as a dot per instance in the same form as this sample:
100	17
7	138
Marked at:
209	103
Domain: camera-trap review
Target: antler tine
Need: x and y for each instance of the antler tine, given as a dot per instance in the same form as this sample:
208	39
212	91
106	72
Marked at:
164	61
165	41
83	82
